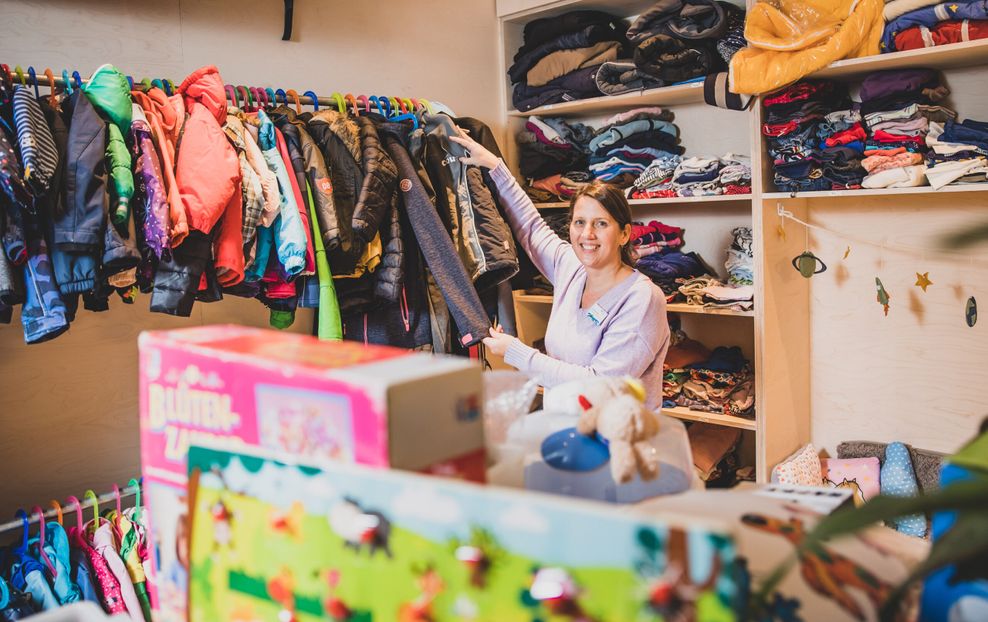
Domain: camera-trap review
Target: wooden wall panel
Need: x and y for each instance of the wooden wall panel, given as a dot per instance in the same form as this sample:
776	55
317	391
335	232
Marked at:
68	409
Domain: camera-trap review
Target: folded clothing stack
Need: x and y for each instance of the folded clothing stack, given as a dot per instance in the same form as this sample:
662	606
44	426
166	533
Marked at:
680	40
896	108
958	153
655	237
713	293
795	118
553	153
669	268
560	56
692	177
741	257
629	142
914	24
720	381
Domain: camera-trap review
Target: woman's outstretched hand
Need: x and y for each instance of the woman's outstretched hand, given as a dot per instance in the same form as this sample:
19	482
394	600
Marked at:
498	342
478	155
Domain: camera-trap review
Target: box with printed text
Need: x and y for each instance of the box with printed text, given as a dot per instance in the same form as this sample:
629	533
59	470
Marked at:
293	394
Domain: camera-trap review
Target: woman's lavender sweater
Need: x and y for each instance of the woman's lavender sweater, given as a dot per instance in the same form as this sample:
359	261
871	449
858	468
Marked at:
631	339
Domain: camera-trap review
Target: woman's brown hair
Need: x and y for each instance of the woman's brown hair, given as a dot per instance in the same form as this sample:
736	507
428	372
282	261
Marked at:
612	199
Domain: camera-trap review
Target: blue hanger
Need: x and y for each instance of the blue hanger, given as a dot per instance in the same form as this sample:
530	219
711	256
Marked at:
405	117
34	81
271	94
315	99
78	79
377	103
158	83
68	83
168	87
284	96
387	104
130	81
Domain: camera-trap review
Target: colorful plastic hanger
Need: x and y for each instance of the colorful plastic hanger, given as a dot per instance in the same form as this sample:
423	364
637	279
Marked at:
353	102
284	97
68	82
52	99
78	79
34	81
55	505
315	99
41	540
231	93
294	95
136	484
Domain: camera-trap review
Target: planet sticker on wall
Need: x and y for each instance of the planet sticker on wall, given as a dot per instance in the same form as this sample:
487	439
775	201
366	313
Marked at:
971	311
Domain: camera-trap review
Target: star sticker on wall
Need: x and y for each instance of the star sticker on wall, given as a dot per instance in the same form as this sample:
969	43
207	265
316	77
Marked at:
923	280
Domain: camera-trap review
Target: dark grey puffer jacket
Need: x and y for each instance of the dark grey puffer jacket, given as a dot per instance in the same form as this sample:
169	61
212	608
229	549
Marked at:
338	138
390	273
380	181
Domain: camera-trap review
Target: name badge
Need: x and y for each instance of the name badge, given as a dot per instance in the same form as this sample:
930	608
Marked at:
597	314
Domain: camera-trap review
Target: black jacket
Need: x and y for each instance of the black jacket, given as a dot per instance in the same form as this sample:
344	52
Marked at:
434	242
338	138
379	183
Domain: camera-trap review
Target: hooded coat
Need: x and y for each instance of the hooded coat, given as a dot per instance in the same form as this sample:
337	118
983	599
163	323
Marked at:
789	39
207	178
109	92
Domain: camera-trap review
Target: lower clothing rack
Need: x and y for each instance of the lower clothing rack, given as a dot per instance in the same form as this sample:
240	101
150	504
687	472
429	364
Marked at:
87	502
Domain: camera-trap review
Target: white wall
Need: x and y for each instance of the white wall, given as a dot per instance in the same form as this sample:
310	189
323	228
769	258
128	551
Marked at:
919	375
68	409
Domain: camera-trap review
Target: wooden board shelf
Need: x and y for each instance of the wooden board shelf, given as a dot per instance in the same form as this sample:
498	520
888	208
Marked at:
877	192
742	200
701	310
671	307
686	414
677	95
951	56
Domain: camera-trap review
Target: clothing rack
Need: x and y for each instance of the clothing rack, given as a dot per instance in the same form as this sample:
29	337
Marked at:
238	95
32	519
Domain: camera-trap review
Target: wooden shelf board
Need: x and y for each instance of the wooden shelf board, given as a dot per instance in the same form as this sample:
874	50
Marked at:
699	310
691	93
536	298
877	192
949	56
670	201
671	308
730	421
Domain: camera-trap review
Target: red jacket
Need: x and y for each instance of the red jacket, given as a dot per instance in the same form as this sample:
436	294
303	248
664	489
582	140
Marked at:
207	172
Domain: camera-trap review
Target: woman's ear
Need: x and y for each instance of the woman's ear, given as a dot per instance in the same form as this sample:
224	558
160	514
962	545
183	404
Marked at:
625	235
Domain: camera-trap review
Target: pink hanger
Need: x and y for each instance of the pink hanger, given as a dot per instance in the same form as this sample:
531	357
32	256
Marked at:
41	540
363	98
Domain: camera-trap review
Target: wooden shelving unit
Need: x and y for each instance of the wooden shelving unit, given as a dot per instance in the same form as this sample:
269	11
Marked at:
715	418
776	334
742	201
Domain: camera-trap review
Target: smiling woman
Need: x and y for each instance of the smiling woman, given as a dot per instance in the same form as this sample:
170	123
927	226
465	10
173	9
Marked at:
607	318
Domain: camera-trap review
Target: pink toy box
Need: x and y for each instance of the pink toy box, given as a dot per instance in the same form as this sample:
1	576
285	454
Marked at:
293	394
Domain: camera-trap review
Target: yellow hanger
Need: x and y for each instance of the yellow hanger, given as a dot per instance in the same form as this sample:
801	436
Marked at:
340	104
20	75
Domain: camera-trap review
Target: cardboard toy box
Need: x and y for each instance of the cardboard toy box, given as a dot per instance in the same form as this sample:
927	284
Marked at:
294	395
273	538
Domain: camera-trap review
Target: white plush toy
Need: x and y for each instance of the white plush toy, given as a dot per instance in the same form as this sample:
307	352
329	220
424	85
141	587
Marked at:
615	409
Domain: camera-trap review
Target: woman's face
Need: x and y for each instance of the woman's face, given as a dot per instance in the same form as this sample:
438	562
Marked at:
595	235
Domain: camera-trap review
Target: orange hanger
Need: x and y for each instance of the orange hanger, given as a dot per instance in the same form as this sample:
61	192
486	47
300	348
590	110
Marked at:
58	510
353	101
51	99
298	103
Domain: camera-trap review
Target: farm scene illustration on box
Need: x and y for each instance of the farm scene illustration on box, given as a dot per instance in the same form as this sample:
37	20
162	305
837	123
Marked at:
273	541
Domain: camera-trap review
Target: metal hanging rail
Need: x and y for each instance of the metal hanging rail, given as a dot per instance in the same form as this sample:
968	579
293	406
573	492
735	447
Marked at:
32	519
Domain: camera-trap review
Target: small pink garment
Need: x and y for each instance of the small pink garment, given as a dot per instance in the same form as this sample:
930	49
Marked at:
847	472
104	543
106	583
